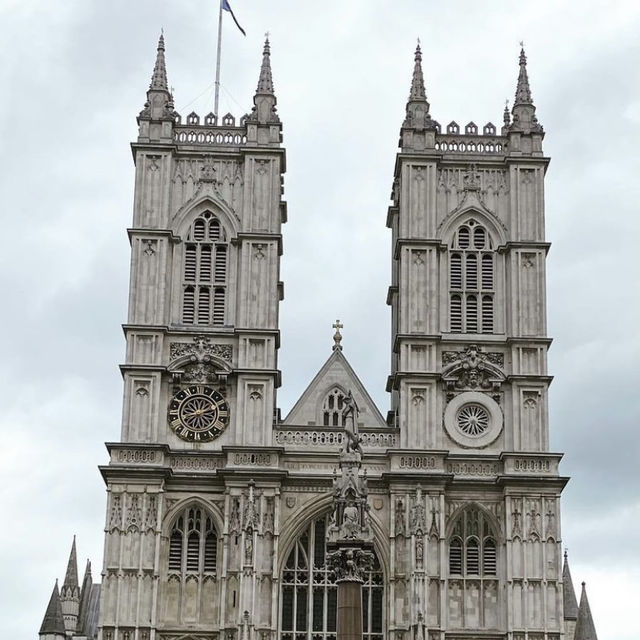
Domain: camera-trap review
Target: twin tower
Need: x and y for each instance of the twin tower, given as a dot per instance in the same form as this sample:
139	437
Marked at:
218	508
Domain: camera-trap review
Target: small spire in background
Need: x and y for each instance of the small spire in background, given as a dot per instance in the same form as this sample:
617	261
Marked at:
569	595
71	577
337	336
585	629
53	622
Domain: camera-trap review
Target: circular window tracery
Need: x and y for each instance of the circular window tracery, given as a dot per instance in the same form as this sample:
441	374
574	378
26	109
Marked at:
473	419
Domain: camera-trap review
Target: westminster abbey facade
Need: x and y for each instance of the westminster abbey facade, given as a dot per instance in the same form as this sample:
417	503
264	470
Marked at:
218	507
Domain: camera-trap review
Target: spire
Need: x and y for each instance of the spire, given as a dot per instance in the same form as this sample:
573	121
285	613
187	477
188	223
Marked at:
585	629
523	92
264	100
265	82
71	577
569	595
85	598
159	77
53	622
337	336
417	82
523	110
417	111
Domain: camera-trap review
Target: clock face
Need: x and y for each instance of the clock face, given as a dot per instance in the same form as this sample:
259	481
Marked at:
198	414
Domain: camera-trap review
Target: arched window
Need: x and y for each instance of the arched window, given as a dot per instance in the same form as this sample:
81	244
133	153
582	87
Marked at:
472	546
204	278
193	544
471	280
309	591
332	408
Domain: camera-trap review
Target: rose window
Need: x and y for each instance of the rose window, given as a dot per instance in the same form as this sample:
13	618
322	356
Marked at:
473	419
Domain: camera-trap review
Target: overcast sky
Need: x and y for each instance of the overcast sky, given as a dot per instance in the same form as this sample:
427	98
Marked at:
73	77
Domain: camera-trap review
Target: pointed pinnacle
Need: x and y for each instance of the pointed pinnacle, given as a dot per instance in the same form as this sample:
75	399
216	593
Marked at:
71	577
265	82
53	621
523	92
159	77
585	629
506	116
417	82
569	595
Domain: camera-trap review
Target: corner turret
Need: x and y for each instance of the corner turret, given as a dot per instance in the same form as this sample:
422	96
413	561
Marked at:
525	132
156	118
53	626
418	129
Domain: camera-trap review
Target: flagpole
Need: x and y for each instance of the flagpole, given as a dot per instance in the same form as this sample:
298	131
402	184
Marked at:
217	92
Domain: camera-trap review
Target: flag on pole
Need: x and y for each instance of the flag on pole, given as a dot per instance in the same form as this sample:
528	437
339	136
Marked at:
227	7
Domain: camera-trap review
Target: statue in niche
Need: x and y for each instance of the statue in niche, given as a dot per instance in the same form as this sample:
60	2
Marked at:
248	547
350	521
400	518
350	417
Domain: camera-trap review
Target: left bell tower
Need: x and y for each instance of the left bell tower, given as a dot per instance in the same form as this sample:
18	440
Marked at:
202	336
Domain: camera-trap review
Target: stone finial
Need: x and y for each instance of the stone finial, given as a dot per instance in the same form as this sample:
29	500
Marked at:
506	115
53	621
337	336
585	629
159	76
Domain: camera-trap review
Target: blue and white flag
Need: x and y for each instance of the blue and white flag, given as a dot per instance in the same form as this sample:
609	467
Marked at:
227	7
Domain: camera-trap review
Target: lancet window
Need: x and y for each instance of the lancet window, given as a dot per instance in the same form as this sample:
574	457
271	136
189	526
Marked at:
204	277
332	408
193	544
309	591
472	546
471	280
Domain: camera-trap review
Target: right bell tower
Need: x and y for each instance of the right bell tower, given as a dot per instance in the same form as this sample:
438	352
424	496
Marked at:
469	374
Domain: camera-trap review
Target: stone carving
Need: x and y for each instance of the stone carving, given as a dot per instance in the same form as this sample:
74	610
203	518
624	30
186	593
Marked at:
134	513
472	369
533	518
417	520
350	565
350	416
471	178
151	517
516	521
201	373
251	515
268	517
115	518
400	526
150	247
550	520
234	518
434	529
208	171
200	348
248	547
419	551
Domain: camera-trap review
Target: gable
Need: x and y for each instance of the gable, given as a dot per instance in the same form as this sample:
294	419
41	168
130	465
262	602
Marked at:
335	373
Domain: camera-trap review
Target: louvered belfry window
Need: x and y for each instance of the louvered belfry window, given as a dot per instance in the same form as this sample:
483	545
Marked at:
204	278
472	546
471	280
193	543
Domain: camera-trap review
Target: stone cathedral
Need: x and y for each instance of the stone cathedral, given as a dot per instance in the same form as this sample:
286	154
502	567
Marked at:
218	507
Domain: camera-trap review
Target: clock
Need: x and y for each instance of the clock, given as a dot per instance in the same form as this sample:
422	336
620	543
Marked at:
198	414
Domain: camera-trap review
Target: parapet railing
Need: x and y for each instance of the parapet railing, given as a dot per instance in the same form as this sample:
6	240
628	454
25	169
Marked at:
317	437
210	135
471	144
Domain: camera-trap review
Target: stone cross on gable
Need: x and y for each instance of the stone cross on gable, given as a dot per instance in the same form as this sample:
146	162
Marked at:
337	336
